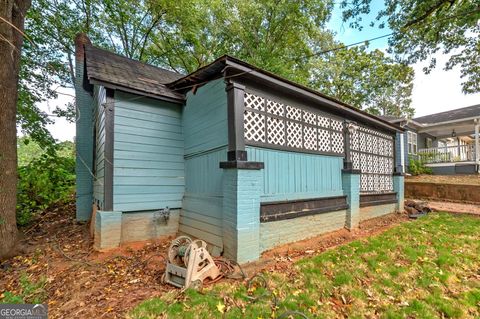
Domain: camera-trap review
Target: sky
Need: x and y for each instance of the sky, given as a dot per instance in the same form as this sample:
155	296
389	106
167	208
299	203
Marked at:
436	92
432	93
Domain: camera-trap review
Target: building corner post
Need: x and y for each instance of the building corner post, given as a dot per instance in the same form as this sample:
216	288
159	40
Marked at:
351	188
84	134
399	188
241	213
242	186
235	107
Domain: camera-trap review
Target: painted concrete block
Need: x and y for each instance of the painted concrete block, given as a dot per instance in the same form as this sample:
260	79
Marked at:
147	225
241	214
351	188
291	230
399	188
376	211
108	229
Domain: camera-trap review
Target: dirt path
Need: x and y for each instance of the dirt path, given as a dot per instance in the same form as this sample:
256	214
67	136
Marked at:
82	283
454	207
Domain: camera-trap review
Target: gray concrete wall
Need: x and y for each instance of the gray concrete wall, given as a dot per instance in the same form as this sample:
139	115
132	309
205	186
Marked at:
290	230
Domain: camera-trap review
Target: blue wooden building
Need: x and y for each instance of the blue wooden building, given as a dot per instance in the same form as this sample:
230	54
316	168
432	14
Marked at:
243	159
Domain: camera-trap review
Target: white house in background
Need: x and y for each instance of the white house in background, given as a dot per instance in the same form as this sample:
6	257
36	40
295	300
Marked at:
447	142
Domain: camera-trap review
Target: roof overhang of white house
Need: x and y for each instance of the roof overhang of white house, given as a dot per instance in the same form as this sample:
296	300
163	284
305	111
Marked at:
445	129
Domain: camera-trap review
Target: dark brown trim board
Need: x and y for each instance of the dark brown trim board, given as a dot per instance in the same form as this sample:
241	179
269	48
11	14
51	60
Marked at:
109	126
377	199
281	210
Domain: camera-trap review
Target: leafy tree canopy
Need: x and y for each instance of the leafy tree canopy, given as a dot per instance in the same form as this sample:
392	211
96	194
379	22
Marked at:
422	28
368	80
283	37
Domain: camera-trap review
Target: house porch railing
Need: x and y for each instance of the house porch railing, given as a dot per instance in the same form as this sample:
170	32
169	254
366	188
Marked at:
447	154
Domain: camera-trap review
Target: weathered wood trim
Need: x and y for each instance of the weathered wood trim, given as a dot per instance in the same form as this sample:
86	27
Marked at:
236	138
291	149
242	165
377	199
108	151
282	210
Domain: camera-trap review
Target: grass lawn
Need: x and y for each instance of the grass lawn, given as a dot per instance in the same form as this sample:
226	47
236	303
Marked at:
429	268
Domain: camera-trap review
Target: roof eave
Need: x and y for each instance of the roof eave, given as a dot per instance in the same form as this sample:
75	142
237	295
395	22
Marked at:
179	100
245	68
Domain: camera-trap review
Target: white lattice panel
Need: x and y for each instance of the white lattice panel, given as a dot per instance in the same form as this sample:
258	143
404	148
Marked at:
293	113
323	140
254	101
336	125
375	159
309	117
294	134
337	142
275	107
254	126
310	138
276	131
356	160
323	121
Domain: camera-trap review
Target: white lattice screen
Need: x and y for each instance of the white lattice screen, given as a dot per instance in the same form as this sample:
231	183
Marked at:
372	152
279	125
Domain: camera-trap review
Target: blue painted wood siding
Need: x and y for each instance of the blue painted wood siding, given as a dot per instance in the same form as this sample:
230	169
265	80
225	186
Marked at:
205	118
99	98
149	170
293	175
202	205
206	139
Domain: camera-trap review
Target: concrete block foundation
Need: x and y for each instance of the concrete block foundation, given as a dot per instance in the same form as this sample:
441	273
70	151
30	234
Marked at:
113	229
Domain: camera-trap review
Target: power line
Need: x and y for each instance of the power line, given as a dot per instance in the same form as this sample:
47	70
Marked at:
387	35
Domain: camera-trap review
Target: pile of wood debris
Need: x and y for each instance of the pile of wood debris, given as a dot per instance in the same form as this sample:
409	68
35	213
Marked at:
416	209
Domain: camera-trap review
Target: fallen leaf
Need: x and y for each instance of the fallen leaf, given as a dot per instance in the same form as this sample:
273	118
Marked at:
220	307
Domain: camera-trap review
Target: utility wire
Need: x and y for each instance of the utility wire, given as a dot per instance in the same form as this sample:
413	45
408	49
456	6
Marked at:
387	35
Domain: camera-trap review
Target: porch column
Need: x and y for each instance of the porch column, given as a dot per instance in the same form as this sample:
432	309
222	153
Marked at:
241	212
477	143
351	188
242	182
399	188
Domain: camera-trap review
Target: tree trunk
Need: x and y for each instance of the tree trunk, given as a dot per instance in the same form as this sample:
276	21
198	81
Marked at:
12	13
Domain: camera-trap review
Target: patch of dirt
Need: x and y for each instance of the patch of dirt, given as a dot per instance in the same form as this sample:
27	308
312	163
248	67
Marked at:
83	283
454	207
446	179
80	282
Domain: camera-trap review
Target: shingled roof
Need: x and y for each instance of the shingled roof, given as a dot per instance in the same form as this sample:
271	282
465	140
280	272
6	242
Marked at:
452	115
119	71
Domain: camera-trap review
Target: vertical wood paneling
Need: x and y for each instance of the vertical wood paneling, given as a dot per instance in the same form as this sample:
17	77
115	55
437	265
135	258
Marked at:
291	175
205	118
149	168
202	204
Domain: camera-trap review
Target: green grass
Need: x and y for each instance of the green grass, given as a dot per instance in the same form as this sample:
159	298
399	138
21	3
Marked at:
423	269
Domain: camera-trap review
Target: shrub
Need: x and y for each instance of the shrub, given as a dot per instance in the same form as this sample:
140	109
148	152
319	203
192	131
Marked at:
44	181
417	167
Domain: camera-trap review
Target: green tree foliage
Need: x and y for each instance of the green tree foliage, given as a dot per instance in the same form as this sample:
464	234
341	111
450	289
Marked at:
368	80
43	178
283	37
279	36
424	27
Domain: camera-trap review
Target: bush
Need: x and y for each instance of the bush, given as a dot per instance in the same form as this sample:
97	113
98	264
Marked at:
417	167
44	181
